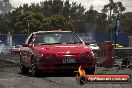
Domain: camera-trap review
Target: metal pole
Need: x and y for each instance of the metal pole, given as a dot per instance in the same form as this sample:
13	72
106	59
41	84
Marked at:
110	22
115	32
117	27
115	36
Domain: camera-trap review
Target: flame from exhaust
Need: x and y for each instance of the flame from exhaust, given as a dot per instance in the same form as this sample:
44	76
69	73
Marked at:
81	71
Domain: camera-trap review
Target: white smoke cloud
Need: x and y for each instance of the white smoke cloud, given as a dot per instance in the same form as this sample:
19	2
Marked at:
0	12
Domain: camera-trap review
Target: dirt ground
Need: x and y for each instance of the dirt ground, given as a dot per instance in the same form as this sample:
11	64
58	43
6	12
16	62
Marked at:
10	77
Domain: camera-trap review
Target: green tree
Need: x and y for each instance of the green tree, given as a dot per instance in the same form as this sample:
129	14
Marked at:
4	27
56	22
59	7
126	22
28	22
60	14
66	9
116	9
101	23
91	20
76	11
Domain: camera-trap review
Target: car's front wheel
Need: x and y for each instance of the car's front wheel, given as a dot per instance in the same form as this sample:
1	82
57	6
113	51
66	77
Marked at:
23	69
34	70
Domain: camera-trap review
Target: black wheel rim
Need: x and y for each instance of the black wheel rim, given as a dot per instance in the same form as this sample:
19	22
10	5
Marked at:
21	66
33	69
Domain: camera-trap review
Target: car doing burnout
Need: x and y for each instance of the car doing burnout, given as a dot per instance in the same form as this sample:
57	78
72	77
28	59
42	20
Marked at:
51	51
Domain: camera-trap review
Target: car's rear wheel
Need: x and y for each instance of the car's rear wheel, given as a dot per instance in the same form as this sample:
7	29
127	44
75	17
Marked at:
34	70
23	69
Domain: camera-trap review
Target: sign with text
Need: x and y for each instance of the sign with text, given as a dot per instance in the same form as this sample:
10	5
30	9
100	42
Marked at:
103	79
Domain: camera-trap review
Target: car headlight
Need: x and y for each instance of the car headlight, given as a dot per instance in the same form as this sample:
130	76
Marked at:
92	54
46	55
40	55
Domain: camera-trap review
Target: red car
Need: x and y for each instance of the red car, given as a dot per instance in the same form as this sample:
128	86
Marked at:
51	51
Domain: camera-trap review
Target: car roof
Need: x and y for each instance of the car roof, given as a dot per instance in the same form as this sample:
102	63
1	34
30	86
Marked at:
49	31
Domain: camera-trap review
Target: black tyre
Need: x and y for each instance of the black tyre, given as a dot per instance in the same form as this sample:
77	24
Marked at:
23	69
81	80
34	70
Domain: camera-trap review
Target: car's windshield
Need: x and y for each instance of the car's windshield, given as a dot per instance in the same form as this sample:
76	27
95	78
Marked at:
57	38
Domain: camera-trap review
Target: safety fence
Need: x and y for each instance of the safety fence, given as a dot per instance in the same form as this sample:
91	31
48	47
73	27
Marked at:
122	38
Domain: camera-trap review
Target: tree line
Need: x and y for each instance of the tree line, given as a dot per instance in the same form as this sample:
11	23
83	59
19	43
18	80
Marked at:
60	14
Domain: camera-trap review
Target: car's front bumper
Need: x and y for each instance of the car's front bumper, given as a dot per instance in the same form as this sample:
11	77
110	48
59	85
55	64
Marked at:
58	65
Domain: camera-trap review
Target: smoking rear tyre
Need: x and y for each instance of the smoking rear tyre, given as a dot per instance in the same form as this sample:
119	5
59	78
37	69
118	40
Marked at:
23	69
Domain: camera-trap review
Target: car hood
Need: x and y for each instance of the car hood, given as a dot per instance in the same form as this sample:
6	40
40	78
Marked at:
62	48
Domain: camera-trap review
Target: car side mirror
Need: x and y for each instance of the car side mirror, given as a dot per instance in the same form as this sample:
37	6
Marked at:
86	43
25	45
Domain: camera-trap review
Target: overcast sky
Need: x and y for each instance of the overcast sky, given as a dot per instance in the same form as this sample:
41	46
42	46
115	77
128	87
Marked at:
98	4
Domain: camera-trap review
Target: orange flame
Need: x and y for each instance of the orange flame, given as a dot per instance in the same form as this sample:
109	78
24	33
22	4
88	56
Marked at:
81	71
